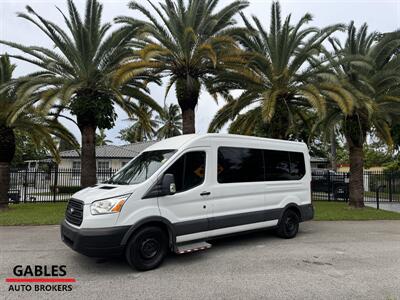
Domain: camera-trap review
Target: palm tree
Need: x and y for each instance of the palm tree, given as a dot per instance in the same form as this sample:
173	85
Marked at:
369	68
144	125
77	74
281	80
33	123
190	44
170	122
101	138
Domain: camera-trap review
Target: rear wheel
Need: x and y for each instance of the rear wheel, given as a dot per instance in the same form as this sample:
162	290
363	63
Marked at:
147	248
288	225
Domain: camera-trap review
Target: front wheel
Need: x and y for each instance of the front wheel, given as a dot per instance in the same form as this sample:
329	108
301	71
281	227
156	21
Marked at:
288	225
147	248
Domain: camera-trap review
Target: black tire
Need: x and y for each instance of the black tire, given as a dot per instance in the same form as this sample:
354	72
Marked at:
147	248
288	225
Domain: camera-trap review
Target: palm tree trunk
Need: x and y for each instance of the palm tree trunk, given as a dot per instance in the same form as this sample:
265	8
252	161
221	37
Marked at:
333	151
7	151
188	121
187	93
278	126
88	155
4	184
356	184
355	130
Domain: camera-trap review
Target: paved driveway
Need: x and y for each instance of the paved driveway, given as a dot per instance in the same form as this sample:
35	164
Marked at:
391	206
328	260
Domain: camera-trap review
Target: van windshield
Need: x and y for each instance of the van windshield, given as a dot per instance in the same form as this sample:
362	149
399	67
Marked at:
142	167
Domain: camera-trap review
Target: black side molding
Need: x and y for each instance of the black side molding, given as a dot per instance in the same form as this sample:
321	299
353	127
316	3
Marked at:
206	224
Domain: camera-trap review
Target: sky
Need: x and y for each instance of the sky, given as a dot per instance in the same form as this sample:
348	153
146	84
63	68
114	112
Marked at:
381	15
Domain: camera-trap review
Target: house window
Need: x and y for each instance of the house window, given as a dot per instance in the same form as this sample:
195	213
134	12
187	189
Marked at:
76	168
76	165
103	165
124	163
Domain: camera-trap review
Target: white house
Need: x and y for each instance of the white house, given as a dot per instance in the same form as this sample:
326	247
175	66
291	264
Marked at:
107	157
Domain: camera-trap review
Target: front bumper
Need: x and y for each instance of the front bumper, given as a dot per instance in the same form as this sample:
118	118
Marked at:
307	212
94	242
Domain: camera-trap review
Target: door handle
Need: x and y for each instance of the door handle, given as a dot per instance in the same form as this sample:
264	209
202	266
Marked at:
205	193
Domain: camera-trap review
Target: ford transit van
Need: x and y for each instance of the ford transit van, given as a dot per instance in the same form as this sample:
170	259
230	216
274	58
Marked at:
182	192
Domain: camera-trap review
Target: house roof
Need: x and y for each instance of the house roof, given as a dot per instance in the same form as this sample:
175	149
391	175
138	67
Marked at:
108	151
315	159
138	147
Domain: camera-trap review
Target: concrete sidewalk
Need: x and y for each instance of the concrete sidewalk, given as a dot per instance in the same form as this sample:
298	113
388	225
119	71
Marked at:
391	206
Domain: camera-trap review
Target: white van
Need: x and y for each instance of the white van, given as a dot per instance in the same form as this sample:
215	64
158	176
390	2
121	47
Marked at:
184	191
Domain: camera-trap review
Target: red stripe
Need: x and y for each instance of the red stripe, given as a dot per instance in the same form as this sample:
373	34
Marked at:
53	279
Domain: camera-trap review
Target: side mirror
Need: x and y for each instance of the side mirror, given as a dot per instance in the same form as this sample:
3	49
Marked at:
168	186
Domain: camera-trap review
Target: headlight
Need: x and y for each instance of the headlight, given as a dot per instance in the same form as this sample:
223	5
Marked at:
108	206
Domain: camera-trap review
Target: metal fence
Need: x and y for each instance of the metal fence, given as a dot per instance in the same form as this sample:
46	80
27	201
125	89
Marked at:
51	185
57	185
329	185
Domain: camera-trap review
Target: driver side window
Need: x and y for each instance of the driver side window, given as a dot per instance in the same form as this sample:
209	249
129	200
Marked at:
188	170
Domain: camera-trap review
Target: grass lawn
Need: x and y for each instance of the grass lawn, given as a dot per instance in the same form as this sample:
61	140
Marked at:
53	213
33	214
338	211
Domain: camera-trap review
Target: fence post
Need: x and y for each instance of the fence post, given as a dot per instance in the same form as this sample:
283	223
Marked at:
35	177
55	183
329	186
377	198
25	183
390	186
381	187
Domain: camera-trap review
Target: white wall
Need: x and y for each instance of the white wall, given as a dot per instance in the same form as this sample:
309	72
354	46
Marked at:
114	163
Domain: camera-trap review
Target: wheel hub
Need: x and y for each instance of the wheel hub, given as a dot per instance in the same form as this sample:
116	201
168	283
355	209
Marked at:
149	248
290	225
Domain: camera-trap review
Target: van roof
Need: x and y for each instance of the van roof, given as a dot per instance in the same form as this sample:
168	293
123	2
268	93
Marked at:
178	142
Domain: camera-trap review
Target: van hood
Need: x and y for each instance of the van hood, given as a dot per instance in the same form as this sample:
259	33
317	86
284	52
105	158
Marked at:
103	191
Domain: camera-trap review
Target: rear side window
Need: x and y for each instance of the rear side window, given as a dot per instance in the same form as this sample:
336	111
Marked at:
251	165
240	165
277	165
297	165
283	165
188	170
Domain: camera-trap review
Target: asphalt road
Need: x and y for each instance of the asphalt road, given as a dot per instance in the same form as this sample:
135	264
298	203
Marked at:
327	260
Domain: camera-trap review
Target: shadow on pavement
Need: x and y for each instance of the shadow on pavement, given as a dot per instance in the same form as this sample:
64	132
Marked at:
113	265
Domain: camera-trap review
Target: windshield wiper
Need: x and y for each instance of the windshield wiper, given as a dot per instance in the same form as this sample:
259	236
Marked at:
116	182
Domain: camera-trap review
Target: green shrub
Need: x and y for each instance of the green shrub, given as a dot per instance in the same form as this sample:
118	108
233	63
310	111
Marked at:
65	189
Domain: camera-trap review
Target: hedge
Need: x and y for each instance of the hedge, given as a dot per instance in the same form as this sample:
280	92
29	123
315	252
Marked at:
66	189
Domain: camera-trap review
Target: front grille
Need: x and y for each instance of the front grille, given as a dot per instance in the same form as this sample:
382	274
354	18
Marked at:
74	212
